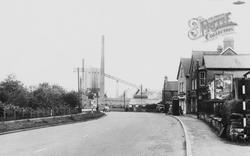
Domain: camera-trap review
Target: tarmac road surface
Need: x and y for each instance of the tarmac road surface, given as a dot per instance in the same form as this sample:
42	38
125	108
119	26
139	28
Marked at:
118	133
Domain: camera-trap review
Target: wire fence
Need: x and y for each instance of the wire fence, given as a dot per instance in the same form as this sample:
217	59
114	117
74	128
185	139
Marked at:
8	114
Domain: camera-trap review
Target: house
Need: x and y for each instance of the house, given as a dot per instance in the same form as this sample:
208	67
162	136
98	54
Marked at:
195	62
198	70
218	71
184	84
169	91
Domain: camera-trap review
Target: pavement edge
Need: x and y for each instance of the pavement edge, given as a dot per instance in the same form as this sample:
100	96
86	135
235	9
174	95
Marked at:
188	144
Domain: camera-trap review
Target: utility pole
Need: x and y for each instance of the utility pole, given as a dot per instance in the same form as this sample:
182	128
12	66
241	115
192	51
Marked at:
82	86
124	100
102	70
78	79
78	89
141	94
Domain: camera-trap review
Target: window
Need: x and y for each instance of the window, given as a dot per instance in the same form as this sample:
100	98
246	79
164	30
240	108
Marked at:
181	87
195	84
202	78
181	72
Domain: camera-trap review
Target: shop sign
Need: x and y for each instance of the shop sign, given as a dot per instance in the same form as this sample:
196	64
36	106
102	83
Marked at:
212	27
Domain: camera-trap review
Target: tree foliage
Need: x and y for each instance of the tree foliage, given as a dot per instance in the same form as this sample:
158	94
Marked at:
44	96
71	99
13	92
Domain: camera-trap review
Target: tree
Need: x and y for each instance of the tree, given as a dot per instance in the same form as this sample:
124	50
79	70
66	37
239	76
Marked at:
71	99
13	92
47	96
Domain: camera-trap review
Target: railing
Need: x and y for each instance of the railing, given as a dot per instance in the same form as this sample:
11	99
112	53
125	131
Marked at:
21	113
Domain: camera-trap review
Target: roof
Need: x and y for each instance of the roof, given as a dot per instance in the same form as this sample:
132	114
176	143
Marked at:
171	86
227	61
228	51
186	64
198	55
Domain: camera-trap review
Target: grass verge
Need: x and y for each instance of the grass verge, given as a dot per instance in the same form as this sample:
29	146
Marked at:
8	126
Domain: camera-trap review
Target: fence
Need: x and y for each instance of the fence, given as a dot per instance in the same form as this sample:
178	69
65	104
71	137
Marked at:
211	107
7	114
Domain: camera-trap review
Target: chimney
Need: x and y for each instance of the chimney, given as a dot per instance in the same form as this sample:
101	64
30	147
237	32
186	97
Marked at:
219	49
228	43
165	82
165	79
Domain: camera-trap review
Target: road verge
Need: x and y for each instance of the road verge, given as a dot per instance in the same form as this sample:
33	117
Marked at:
28	124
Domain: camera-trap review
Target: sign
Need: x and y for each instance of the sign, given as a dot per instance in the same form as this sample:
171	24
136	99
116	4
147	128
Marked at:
212	27
222	86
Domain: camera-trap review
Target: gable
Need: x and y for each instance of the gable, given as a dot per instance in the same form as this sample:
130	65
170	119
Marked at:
181	73
184	67
229	51
178	73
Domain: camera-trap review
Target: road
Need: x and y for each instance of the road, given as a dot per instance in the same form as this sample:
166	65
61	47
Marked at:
118	133
206	143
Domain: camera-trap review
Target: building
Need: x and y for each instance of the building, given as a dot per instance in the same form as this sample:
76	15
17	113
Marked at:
169	91
197	69
217	72
91	79
195	62
211	74
184	84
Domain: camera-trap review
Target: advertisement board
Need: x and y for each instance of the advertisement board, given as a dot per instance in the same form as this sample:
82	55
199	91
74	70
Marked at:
222	86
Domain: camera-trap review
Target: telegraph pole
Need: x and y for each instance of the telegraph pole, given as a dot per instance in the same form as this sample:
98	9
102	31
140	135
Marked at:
141	94
82	85
79	96
124	100
102	70
78	79
78	89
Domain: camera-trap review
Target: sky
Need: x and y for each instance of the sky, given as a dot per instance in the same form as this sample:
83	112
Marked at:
44	40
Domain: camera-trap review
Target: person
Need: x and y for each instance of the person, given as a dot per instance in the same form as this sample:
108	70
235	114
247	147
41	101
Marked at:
97	108
180	110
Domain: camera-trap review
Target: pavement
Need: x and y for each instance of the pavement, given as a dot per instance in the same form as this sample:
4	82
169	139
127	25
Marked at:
118	133
205	142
